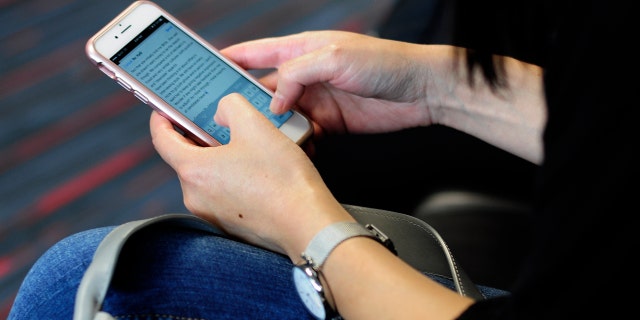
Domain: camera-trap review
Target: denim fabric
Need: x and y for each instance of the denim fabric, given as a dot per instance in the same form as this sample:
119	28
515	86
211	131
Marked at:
487	292
169	274
48	290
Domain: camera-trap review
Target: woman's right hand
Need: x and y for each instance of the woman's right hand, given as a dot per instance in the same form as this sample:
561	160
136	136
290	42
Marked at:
354	83
345	82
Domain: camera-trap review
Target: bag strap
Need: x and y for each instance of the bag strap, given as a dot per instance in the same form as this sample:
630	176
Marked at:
95	282
415	242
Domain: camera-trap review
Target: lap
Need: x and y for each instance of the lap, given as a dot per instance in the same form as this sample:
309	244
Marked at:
48	290
176	272
169	272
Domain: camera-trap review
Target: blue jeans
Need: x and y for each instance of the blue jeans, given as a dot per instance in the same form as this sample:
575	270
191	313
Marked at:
167	274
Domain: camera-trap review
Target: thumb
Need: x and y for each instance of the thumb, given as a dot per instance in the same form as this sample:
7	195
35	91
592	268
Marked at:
243	119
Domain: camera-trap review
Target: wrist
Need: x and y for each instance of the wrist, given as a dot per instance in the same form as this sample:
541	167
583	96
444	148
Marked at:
325	241
317	216
308	278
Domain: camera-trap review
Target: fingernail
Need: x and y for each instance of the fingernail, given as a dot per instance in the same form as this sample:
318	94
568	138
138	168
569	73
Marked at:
276	103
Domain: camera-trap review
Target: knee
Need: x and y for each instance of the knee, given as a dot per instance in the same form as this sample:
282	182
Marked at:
69	256
51	283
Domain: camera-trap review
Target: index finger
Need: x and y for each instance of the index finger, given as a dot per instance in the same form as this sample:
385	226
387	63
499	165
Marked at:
169	143
272	52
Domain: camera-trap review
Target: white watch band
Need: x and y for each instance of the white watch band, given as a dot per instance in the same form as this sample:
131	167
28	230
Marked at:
329	238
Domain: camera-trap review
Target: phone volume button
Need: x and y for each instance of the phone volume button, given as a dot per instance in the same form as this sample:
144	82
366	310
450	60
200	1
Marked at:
106	71
123	84
141	97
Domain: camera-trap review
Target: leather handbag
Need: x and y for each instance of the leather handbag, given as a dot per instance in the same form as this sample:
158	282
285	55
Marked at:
414	241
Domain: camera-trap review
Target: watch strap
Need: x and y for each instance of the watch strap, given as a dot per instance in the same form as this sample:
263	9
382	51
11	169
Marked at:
329	238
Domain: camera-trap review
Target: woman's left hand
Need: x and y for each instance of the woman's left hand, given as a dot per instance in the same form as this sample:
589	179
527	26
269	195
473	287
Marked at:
261	186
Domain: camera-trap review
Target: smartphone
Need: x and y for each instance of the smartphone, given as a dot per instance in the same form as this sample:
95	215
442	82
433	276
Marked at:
170	68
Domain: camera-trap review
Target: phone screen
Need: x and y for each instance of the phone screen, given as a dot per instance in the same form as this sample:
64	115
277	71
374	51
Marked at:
188	76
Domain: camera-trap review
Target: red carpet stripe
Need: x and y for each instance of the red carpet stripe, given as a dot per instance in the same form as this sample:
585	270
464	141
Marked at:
89	180
41	69
24	149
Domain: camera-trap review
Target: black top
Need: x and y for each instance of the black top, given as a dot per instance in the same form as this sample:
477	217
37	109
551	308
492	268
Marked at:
580	264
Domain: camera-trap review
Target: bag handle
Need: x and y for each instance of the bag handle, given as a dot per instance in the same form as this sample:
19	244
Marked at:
95	282
415	242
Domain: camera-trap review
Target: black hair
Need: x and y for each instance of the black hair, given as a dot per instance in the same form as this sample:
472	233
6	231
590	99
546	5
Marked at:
487	30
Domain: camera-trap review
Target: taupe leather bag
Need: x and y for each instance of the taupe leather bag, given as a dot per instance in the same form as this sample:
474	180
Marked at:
415	241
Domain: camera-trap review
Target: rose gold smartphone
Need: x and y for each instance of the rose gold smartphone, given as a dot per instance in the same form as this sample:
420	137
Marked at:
170	68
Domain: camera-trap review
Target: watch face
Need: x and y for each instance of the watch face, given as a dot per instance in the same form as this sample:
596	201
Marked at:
309	290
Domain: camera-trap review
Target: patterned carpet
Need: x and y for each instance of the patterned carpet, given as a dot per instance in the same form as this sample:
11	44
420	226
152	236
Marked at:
75	151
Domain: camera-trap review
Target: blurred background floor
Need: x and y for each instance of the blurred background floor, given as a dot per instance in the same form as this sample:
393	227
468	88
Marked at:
75	151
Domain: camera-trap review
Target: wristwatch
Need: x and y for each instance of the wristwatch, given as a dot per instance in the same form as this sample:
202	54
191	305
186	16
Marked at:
311	291
306	276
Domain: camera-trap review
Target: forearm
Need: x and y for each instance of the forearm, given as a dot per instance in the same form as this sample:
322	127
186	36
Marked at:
368	282
362	278
511	118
